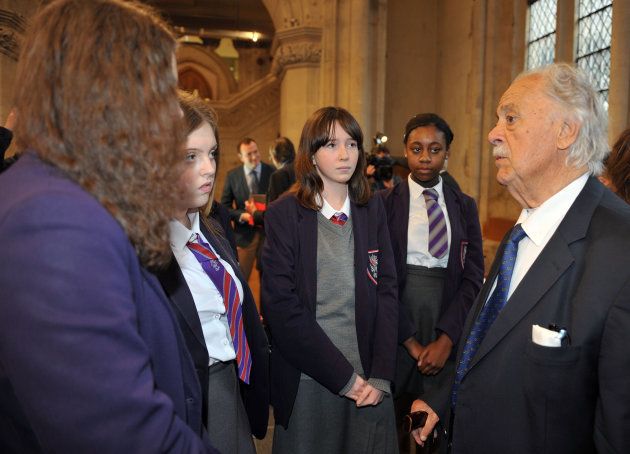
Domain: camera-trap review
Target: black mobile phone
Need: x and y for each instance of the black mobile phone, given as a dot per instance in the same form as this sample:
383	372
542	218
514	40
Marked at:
414	421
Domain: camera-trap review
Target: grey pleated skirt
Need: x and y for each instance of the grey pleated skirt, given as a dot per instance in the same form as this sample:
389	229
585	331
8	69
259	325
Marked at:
422	299
323	422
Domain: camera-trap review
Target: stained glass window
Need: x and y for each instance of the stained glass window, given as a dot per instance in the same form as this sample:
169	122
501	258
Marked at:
594	33
541	33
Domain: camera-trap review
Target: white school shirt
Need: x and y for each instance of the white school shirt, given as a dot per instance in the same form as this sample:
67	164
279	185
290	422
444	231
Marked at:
208	300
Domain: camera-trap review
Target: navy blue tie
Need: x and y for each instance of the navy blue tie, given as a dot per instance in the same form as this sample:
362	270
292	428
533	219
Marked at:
491	309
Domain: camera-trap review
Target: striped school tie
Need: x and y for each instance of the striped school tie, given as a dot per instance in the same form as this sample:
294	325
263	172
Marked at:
438	235
339	218
227	288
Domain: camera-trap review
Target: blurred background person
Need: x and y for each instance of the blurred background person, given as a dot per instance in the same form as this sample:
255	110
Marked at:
243	183
282	154
329	298
92	359
213	303
616	173
436	239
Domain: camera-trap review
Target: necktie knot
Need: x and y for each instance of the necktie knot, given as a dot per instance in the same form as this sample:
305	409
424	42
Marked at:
430	194
517	234
339	218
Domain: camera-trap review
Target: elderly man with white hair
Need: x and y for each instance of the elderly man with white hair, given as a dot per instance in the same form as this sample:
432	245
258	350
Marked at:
543	364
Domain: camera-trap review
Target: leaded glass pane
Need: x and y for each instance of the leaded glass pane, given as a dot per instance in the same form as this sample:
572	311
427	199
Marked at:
593	42
541	33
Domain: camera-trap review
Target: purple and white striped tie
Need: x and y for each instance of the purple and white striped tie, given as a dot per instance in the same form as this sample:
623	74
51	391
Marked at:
438	236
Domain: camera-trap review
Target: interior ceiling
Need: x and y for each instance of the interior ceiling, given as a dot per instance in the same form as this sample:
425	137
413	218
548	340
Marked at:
209	15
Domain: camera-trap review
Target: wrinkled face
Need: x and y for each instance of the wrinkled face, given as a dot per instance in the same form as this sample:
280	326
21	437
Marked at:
198	169
337	159
425	152
525	137
249	155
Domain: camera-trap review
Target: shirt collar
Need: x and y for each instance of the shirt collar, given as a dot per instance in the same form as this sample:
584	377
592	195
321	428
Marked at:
539	222
415	190
180	235
327	211
255	169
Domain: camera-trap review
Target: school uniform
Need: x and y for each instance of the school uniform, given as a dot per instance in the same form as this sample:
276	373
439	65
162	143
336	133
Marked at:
313	359
435	293
233	410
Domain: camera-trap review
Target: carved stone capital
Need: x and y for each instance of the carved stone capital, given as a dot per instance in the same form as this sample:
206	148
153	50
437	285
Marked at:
296	46
11	29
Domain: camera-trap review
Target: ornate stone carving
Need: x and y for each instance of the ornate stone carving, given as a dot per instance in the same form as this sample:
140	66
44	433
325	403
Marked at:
296	46
11	29
297	53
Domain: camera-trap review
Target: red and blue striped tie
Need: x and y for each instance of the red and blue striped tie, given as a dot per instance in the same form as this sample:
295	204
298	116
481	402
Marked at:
227	287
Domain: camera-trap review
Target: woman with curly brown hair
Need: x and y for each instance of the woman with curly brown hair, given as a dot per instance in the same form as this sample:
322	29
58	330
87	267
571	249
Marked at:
617	168
92	359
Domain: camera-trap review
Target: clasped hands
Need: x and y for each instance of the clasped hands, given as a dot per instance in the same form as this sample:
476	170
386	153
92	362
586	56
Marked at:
364	394
430	358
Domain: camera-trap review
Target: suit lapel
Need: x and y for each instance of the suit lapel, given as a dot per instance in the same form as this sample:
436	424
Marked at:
548	268
175	286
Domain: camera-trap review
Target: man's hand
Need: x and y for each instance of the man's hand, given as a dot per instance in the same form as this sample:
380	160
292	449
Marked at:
421	434
250	206
434	355
244	218
369	396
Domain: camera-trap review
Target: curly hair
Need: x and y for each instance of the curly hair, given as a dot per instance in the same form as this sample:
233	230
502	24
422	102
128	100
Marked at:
97	99
317	132
618	166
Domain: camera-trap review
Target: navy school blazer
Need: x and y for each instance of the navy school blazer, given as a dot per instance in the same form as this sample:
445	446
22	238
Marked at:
289	290
256	394
464	272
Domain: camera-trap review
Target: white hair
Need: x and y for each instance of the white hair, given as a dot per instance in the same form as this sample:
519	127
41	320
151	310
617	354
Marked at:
571	88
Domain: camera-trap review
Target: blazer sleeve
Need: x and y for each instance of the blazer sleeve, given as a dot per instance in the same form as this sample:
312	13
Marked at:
386	324
228	197
294	329
69	331
452	320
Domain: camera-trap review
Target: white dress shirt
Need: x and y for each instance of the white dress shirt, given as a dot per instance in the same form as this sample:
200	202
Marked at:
540	224
328	211
208	300
418	228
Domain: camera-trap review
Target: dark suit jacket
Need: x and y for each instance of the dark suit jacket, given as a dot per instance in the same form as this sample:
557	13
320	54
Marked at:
235	193
220	213
256	394
519	397
281	180
289	301
464	272
91	357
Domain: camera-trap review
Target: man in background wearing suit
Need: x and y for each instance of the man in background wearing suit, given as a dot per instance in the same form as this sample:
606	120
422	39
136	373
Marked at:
241	183
543	365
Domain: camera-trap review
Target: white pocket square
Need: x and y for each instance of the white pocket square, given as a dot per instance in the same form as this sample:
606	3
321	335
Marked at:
546	337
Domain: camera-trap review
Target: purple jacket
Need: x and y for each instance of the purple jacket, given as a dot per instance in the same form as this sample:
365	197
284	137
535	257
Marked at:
91	358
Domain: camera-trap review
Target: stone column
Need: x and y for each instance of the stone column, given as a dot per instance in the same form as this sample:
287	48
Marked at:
619	94
296	61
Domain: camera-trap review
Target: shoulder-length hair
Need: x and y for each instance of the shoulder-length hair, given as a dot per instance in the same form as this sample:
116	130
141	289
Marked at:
196	112
317	132
97	99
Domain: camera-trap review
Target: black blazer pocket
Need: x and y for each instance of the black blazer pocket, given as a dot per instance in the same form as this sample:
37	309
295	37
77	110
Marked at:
550	371
552	356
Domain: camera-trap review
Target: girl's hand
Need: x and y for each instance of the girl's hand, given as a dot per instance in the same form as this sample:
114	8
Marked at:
370	396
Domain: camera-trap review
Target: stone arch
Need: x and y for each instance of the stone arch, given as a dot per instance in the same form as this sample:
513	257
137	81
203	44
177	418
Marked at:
205	71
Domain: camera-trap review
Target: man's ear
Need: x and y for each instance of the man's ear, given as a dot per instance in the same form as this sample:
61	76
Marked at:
568	133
